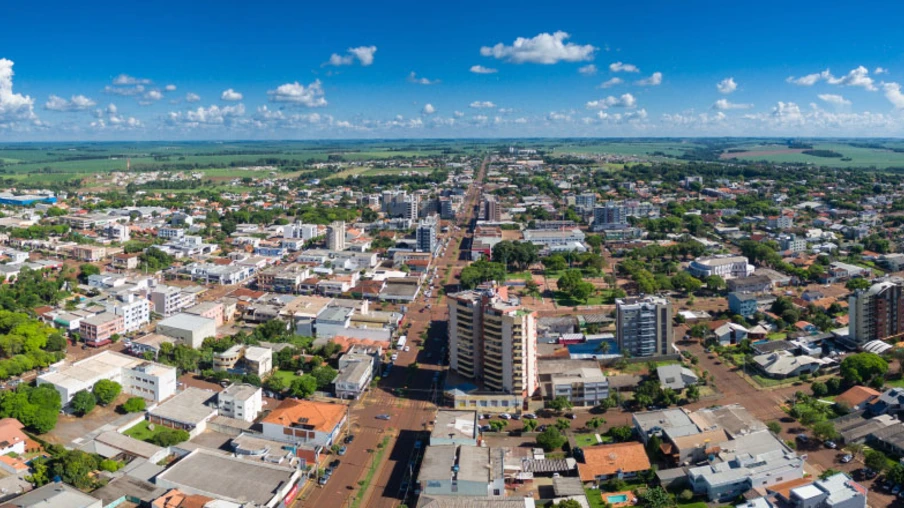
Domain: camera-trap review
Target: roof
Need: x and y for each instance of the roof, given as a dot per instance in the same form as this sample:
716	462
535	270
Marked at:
227	477
240	391
53	495
123	486
676	421
707	439
186	407
321	416
784	489
609	459
733	418
186	322
455	424
675	376
11	432
127	444
857	395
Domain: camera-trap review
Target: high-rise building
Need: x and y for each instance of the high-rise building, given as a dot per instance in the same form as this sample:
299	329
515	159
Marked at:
876	313
644	326
493	339
491	210
335	236
610	214
446	208
586	201
426	234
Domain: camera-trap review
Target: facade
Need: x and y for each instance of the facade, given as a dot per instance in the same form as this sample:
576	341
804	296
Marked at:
586	201
491	209
580	381
189	328
876	313
792	243
743	304
353	379
557	241
335	236
609	215
99	330
240	401
145	379
169	233
727	267
644	326
169	300
752	284
779	222
135	311
426	234
247	359
209	310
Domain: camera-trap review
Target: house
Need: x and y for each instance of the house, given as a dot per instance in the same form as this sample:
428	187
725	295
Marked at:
12	439
240	401
743	304
244	359
890	401
353	378
730	333
52	495
783	364
858	397
676	377
622	460
99	330
305	421
580	381
751	284
190	411
654	423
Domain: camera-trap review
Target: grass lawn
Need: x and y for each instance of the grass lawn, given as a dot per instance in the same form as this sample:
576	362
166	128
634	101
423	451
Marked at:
142	432
286	375
586	440
894	383
777	336
594	498
638	367
693	504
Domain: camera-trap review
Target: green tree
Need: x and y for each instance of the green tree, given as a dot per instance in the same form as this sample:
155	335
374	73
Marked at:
568	503
656	497
858	283
714	282
134	405
828	473
529	424
498	425
621	433
863	367
563	424
595	422
106	391
276	383
825	431
693	393
896	474
86	270
559	404
83	402
819	389
774	427
324	376
551	439
303	387
169	437
75	467
875	460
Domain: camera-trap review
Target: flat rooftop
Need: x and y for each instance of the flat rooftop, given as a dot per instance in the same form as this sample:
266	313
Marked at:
455	424
186	407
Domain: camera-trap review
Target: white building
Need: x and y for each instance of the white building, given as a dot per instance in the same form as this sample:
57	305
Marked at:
135	311
727	267
170	233
117	232
138	377
169	300
189	328
335	236
241	401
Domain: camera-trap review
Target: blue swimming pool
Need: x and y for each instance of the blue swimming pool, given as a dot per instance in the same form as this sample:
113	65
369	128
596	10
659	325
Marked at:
619	498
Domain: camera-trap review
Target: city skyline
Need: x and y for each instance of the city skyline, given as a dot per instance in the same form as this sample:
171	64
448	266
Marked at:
212	71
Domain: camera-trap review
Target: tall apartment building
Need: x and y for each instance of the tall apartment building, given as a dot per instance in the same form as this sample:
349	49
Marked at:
609	215
494	340
446	208
491	209
876	313
644	326
335	236
135	311
426	234
586	201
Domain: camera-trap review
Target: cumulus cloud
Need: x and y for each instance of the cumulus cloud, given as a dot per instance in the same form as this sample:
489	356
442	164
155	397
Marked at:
109	118
880	70
192	97
620	118
623	67
833	99
412	78
690	119
458	114
231	95
170	88
727	86
428	109
856	77
124	91
625	101
588	70
211	116
363	54
544	48
311	96
892	93
153	95
724	104
557	116
479	69
14	107
654	80
125	79
611	82
76	103
482	104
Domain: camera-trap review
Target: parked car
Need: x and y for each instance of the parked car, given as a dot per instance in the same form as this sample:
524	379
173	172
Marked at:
802	438
847	458
383	416
342	451
334	464
407	348
571	416
349	438
323	479
831	444
505	416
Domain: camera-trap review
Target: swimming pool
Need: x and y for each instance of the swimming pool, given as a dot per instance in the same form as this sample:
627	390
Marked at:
618	498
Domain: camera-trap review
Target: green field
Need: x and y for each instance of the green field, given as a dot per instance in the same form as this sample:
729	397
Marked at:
861	157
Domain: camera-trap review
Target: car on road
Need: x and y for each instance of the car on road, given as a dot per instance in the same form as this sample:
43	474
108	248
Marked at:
334	464
323	479
505	416
847	458
349	438
383	416
831	445
532	416
342	451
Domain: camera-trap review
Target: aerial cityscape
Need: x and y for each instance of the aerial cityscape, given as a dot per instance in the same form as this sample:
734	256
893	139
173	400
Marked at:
451	256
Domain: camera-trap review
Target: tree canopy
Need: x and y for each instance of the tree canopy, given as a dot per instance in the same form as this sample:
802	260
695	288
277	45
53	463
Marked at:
863	367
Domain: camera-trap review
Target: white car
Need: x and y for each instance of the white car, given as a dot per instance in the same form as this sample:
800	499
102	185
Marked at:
395	356
505	416
407	348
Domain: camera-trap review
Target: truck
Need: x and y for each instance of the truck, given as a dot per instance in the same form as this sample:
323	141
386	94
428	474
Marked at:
401	343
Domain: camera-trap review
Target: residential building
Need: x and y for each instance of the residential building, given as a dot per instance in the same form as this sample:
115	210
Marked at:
169	233
611	215
454	427
139	377
189	328
875	314
12	439
580	381
169	300
730	333
244	359
752	284
585	202
53	495
134	310
240	401
99	330
117	232
227	275
305	421
676	377
792	243
353	379
492	211
89	253
779	222
621	460
727	267
743	304
467	473
426	234
335	236
644	326
209	310
126	261
673	422
784	364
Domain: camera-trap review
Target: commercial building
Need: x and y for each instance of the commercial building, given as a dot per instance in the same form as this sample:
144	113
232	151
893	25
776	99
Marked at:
99	330
190	410
169	300
353	379
305	421
875	314
557	241
244	359
240	401
644	326
53	495
138	377
493	339
491	210
189	328
580	381
426	234
335	236
134	310
727	267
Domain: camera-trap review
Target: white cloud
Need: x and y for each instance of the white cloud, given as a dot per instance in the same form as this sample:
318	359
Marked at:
625	101
482	104
556	116
170	88
623	67
506	111
153	95
124	90
892	93
363	54
211	116
619	118
835	100
428	109
76	103
723	105
880	70
457	114
727	86
611	82
479	69
588	70
310	96
689	119
192	97
856	77
654	80
13	107
231	95
412	78
109	118
544	48
125	79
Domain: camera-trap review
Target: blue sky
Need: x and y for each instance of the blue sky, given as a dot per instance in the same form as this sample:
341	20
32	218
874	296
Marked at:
249	70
